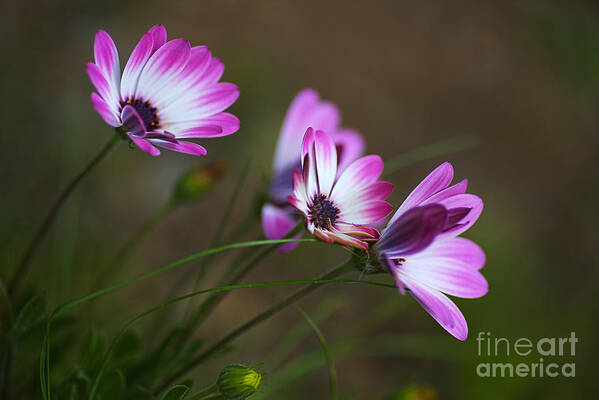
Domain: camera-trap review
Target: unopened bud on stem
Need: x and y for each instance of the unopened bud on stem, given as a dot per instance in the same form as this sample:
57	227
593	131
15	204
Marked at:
197	182
238	382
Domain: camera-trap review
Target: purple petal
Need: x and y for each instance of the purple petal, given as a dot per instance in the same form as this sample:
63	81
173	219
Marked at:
132	122
281	184
211	101
167	136
138	59
299	204
458	249
364	232
306	110
342	238
325	154
107	59
307	143
309	170
213	73
162	69
366	213
376	191
447	275
222	124
299	187
413	231
458	188
454	218
325	117
144	145
463	201
278	222
182	147
437	180
188	82
158	34
103	87
357	176
104	110
350	146
443	310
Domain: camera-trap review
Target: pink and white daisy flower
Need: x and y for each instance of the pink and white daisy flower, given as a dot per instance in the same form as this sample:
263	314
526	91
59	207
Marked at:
306	110
168	92
339	207
420	248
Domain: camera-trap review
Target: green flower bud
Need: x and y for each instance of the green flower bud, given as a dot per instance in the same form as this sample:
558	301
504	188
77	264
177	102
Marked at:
238	382
417	392
195	183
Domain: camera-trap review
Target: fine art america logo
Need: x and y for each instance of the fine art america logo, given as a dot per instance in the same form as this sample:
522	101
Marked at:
544	351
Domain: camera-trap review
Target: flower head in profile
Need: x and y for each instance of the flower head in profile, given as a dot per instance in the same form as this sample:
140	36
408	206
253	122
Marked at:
339	207
169	92
306	110
420	247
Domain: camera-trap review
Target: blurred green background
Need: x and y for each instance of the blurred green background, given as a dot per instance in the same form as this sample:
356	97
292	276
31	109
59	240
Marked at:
521	78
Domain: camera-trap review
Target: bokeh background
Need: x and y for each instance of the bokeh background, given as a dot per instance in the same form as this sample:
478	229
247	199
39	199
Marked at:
514	85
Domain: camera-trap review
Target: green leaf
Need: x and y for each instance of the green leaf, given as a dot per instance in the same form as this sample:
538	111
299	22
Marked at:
92	351
187	382
177	392
113	385
31	314
74	392
129	346
75	385
139	393
327	353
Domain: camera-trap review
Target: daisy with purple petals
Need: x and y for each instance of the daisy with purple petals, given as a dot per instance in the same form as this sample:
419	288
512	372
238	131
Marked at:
306	110
339	207
420	248
169	92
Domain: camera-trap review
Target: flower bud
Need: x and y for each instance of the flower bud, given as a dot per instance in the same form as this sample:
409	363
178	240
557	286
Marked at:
417	392
238	382
195	183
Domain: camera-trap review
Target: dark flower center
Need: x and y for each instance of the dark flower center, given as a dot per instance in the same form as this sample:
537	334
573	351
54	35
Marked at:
146	112
399	261
322	212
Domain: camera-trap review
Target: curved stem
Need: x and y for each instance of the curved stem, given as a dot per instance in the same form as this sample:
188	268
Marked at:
327	353
263	316
212	301
45	356
316	282
207	393
169	266
218	234
48	221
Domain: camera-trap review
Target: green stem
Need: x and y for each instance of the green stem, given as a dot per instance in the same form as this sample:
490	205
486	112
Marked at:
335	272
206	393
170	266
315	283
218	235
327	353
48	221
208	305
45	357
